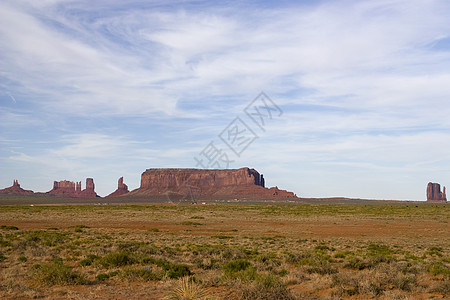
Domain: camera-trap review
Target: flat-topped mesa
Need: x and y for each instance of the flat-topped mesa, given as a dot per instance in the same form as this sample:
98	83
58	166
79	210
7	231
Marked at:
434	192
212	183
122	189
72	189
16	189
63	187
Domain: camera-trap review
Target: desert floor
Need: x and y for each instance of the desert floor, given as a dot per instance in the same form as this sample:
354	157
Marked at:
323	250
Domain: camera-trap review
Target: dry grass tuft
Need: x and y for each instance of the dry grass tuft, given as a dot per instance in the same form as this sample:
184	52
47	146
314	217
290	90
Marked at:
188	289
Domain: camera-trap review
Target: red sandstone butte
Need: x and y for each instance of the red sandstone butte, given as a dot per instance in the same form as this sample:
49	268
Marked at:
206	183
16	189
434	192
69	188
122	189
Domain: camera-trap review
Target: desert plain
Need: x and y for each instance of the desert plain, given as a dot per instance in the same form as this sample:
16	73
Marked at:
305	249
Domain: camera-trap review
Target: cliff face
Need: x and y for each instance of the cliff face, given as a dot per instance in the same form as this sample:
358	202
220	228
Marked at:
122	189
16	189
434	192
72	189
206	179
229	183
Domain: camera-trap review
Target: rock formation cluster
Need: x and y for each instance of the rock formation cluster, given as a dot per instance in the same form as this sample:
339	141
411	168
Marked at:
72	189
16	189
434	192
122	189
172	184
206	183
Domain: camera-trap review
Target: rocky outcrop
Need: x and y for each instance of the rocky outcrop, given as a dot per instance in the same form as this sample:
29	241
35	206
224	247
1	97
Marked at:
72	189
434	192
122	189
16	189
206	183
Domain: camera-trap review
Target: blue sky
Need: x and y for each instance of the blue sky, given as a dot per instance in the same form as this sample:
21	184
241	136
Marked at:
106	89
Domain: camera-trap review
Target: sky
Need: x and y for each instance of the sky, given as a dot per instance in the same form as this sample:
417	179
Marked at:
355	103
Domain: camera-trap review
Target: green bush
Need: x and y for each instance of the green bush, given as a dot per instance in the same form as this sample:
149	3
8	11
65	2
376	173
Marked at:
7	227
322	268
438	268
144	274
190	223
176	271
116	259
88	260
104	276
321	248
48	239
236	266
379	249
22	259
173	270
56	273
342	254
356	263
79	228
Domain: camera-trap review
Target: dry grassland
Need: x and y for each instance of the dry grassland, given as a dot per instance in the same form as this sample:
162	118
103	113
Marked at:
295	251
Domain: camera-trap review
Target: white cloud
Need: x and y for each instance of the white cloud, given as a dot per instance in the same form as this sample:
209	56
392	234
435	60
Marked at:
360	83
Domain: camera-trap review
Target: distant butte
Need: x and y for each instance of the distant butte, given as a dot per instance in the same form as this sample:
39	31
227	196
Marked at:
16	189
122	189
434	192
191	184
72	189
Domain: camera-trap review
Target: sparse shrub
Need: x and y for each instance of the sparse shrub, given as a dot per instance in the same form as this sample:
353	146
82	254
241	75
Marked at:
79	228
2	257
316	263
4	243
322	248
104	276
342	254
8	227
48	239
188	289
190	223
356	263
265	287
377	249
236	266
222	237
175	271
375	289
143	273
438	268
441	287
116	259
404	282
22	259
346	284
88	260
322	268
153	230
56	273
206	264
